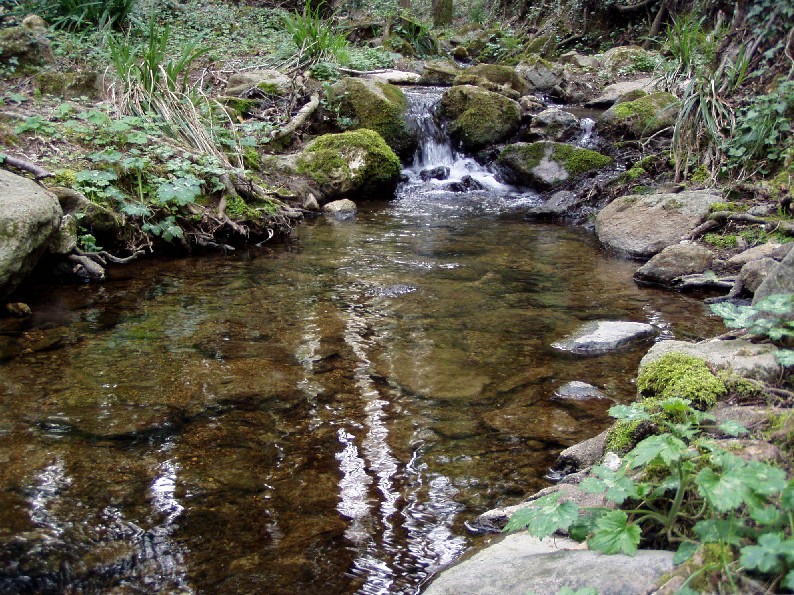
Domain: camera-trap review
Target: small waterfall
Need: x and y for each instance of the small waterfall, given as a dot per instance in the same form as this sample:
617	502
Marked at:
436	163
587	137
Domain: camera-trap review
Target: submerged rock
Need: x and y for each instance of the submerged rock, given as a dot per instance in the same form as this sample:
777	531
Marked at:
546	165
354	161
519	563
29	216
479	117
577	390
436	173
603	336
639	118
643	225
376	106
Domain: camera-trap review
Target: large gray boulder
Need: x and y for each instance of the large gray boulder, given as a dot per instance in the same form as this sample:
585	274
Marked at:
780	280
640	118
614	92
29	216
555	124
674	261
643	225
541	75
519	563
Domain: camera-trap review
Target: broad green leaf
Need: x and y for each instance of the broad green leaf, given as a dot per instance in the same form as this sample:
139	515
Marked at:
137	138
614	534
685	551
785	357
777	303
724	491
617	486
766	515
95	177
135	209
629	413
665	447
545	516
182	191
788	582
769	554
732	428
787	498
719	530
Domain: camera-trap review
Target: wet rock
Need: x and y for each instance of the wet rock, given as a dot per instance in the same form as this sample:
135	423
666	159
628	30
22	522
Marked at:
354	161
440	72
479	117
674	261
544	423
29	216
530	106
263	82
341	209
541	75
560	204
643	225
555	124
64	240
639	118
604	336
500	75
755	253
780	280
743	358
444	374
375	106
576	390
581	455
18	309
518	563
613	93
98	220
436	173
546	165
466	184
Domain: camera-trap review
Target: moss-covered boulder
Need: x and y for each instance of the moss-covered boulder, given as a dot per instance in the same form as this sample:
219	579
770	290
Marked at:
639	118
627	58
262	82
680	375
86	83
376	106
546	165
357	161
540	74
479	117
498	75
440	72
24	49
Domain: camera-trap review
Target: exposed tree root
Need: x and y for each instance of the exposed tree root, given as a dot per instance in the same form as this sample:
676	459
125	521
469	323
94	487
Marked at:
25	165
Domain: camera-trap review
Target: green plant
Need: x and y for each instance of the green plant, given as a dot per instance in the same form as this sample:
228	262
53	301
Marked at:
720	241
80	14
316	39
772	317
682	491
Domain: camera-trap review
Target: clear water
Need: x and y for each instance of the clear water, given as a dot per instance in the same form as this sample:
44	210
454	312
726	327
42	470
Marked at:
318	416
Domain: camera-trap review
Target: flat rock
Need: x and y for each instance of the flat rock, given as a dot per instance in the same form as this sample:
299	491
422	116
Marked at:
751	450
603	336
560	204
751	417
743	358
643	225
674	261
396	77
755	253
341	209
519	563
612	93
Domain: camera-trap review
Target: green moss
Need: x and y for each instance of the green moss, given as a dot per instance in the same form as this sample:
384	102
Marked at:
720	241
577	160
680	375
500	75
700	174
64	177
326	161
251	159
643	116
621	437
733	207
754	235
479	117
635	173
239	105
647	163
673	204
269	88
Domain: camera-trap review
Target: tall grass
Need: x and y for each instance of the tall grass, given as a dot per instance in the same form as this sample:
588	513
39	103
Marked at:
317	40
75	15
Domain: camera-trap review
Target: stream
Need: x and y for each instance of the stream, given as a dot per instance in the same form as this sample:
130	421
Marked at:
318	416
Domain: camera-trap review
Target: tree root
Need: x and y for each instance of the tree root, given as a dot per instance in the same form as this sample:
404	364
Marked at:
25	165
299	119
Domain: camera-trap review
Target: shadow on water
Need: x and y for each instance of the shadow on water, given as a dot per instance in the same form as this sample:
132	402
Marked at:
322	416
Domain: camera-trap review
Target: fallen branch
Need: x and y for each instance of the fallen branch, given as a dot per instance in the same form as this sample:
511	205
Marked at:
708	225
25	165
299	119
86	267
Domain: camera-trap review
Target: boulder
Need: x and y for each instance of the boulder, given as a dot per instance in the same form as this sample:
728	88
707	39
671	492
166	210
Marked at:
64	240
560	204
545	165
267	82
96	219
754	273
29	216
641	225
613	93
639	118
440	72
24	49
479	117
541	75
769	250
376	106
581	455
556	125
353	161
674	261
623	57
780	280
603	336
395	77
578	60
500	75
87	83
740	356
341	209
530	106
519	563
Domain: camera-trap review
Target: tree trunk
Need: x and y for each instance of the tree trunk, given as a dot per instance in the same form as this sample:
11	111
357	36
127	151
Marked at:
443	11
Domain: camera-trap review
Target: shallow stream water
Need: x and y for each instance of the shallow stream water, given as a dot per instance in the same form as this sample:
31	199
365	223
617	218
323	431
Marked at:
321	416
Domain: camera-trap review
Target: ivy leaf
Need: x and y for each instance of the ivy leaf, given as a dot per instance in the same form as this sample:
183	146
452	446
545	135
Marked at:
720	530
545	516
732	428
785	357
137	138
614	534
766	515
685	551
629	413
664	447
768	554
182	191
617	486
96	177
135	209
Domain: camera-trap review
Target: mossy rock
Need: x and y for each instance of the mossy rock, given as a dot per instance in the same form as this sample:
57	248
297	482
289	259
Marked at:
542	45
351	162
376	106
440	73
500	75
540	74
547	165
24	50
70	84
680	375
478	117
640	118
